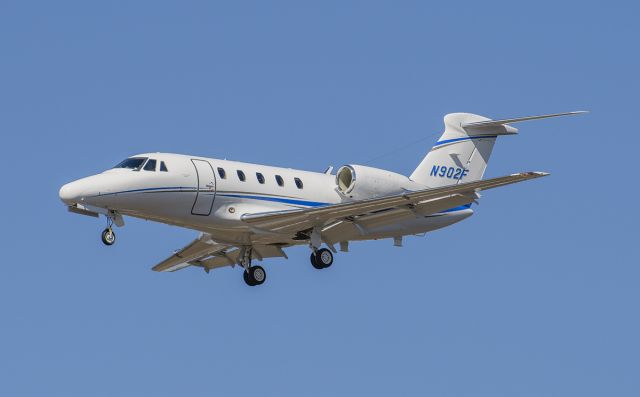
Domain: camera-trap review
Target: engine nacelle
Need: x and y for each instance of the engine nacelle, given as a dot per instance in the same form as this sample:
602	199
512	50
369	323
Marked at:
359	182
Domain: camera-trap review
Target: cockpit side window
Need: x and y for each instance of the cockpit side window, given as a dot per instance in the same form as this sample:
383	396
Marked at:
163	167
132	163
150	166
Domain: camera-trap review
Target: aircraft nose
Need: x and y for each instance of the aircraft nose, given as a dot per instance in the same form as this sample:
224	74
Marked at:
70	193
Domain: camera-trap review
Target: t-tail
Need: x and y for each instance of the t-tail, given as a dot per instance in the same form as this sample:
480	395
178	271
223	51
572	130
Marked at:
462	152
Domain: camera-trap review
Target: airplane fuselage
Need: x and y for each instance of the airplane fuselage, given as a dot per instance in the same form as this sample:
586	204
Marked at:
211	195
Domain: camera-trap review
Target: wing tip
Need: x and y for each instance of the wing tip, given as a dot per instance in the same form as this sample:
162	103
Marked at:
531	174
163	268
539	173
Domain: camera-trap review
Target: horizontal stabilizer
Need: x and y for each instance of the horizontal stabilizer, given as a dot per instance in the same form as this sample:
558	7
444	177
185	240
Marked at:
492	123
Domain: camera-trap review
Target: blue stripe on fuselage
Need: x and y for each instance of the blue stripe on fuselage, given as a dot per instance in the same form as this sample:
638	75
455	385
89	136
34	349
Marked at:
276	199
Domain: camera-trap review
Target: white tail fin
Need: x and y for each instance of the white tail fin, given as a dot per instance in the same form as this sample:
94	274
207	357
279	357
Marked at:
462	152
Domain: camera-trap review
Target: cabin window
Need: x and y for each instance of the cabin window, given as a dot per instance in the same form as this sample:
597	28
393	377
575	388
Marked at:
132	163
163	167
150	166
279	180
298	183
260	177
241	176
222	173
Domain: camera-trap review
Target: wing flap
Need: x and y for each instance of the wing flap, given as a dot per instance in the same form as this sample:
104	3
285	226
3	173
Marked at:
198	248
229	258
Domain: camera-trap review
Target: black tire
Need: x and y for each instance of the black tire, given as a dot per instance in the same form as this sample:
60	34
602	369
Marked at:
321	259
258	275
247	279
324	258
314	263
108	237
255	276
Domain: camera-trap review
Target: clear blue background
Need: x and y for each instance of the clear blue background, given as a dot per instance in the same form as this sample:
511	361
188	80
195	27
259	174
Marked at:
536	295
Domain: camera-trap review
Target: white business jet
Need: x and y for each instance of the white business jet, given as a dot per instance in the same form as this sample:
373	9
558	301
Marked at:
246	212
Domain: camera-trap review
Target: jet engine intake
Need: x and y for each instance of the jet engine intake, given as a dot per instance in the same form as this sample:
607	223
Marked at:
359	182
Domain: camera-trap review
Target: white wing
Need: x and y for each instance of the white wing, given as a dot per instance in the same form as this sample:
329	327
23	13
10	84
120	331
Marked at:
208	254
200	248
431	201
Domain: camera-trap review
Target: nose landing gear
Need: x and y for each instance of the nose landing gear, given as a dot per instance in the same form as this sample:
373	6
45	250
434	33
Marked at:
108	236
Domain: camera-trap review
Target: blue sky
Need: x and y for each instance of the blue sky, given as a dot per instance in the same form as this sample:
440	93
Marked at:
535	295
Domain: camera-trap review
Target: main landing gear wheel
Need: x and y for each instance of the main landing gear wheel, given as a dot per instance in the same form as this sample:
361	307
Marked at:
254	276
108	236
322	258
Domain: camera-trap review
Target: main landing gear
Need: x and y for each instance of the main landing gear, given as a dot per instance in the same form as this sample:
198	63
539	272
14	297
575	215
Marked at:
322	258
253	275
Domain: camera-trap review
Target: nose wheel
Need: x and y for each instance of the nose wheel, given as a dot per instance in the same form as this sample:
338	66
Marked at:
108	236
322	258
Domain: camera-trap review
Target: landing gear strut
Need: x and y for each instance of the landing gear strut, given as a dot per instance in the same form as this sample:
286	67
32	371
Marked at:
322	258
108	235
253	275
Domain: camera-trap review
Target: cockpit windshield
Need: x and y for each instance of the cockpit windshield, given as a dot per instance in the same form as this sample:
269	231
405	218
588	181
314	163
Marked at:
133	163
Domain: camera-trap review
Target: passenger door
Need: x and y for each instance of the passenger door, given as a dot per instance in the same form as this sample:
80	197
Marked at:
206	188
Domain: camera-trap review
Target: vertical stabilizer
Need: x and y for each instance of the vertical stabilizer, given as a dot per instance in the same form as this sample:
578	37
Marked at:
462	152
